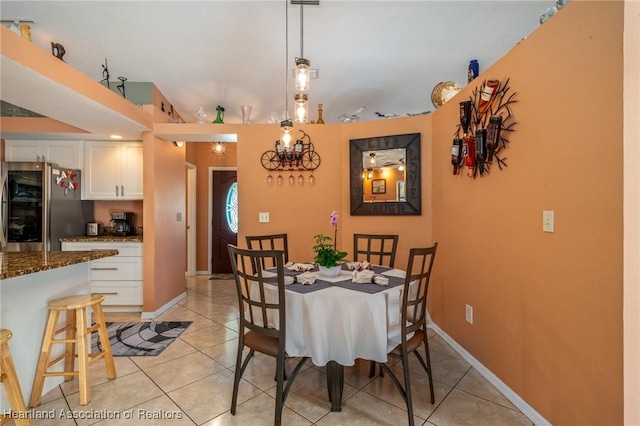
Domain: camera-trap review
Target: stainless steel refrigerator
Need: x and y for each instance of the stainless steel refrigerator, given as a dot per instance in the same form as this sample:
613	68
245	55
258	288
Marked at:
39	204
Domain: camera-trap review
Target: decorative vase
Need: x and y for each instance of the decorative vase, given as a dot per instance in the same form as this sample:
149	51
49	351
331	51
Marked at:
246	113
334	271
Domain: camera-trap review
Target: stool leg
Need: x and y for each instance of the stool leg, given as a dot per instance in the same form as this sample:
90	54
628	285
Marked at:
70	347
83	356
104	341
12	386
45	353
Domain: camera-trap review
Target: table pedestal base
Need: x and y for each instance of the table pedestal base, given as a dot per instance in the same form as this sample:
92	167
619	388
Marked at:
335	383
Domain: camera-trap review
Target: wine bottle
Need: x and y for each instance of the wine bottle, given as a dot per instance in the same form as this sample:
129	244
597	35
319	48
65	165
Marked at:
488	94
469	153
493	135
481	149
465	115
456	154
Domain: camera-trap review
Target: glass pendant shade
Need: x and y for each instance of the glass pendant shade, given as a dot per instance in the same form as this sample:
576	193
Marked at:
302	110
302	74
286	126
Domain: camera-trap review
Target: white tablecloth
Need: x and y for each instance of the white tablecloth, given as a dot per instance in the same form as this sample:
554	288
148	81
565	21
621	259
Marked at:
337	324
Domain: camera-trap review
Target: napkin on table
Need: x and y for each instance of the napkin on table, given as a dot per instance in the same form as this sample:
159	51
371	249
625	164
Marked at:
358	266
306	278
299	267
367	276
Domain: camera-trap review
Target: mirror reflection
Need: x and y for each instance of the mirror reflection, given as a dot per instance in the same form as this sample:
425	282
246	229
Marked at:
384	175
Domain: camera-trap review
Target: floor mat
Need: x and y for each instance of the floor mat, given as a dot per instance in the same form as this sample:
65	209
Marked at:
140	338
221	277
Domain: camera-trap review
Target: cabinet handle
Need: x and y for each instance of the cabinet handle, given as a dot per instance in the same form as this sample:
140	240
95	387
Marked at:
37	157
104	269
114	293
117	194
122	189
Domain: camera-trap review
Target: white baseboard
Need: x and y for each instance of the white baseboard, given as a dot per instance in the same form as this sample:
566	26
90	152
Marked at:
203	273
165	308
515	399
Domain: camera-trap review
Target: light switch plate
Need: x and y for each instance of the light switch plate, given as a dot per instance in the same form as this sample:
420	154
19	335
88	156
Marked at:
263	217
547	220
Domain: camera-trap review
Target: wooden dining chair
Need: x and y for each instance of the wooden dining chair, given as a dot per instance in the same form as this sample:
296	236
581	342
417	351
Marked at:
413	328
263	322
375	248
269	242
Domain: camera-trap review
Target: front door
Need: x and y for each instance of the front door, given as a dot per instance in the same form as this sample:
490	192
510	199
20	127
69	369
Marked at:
224	227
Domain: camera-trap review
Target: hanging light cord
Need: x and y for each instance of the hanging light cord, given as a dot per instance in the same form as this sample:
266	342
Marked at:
301	30
286	61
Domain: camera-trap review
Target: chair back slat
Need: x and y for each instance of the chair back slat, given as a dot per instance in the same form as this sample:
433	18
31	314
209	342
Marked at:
416	287
376	249
269	242
260	311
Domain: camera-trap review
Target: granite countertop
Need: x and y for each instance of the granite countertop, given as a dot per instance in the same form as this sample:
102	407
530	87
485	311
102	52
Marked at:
103	239
17	263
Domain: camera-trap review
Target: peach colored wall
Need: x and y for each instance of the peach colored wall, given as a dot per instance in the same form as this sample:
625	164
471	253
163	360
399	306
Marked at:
301	212
547	306
164	198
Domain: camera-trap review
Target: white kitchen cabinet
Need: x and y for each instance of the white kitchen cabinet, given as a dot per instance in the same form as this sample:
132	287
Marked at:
119	277
112	170
65	153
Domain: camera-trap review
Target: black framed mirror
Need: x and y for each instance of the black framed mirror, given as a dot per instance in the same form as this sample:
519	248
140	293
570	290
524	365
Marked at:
377	163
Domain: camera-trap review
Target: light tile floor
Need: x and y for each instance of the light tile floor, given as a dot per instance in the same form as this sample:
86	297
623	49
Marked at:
190	382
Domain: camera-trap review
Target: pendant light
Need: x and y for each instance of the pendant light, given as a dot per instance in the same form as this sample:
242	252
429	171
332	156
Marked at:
302	110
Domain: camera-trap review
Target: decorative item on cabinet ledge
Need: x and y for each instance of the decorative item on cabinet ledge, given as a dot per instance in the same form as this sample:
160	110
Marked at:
219	115
299	158
486	120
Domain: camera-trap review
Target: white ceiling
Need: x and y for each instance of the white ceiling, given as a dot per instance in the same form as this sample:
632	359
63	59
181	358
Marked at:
385	55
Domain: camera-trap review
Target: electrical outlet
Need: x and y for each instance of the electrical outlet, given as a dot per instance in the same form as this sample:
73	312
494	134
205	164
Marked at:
547	220
178	217
263	217
468	314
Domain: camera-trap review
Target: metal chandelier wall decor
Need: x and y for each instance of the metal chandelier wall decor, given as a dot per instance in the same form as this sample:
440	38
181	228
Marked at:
486	121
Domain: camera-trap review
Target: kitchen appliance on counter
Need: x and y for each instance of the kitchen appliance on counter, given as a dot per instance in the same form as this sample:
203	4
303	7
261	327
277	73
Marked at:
94	229
39	204
123	223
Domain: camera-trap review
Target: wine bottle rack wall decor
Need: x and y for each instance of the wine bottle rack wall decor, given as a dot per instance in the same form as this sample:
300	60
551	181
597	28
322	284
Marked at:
486	121
298	157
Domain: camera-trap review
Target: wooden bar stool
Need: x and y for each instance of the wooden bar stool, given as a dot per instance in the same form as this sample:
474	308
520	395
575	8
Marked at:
78	336
10	380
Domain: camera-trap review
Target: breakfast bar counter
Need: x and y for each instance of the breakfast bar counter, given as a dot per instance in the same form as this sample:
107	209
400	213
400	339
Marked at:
28	280
15	264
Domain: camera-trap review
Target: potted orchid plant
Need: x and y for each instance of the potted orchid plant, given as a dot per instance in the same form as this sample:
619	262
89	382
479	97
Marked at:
326	249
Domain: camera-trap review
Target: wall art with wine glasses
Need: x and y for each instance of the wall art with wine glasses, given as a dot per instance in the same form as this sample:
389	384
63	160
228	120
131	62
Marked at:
486	121
293	158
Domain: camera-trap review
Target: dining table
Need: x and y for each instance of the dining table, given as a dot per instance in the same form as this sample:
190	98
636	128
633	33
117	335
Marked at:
335	321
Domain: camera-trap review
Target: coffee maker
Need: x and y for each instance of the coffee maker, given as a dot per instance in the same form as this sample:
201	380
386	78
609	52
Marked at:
123	223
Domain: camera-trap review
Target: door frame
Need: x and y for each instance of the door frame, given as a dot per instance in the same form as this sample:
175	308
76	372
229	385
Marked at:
210	214
191	170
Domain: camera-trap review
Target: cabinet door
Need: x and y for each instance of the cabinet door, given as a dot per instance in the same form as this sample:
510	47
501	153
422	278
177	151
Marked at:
132	176
101	170
65	153
22	150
